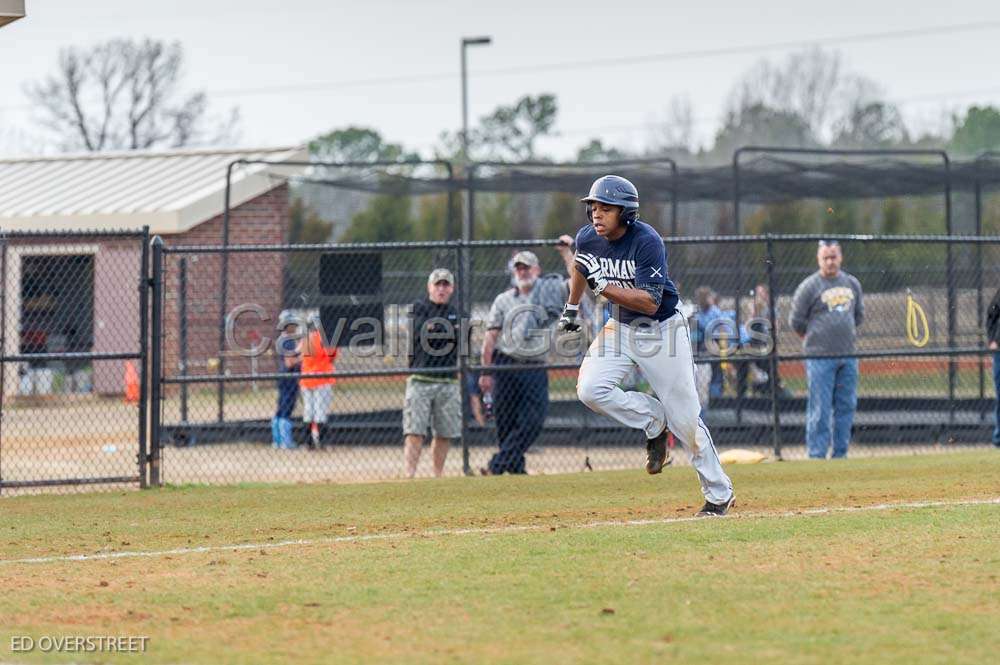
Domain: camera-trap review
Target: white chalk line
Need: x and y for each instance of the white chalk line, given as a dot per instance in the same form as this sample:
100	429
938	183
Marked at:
496	530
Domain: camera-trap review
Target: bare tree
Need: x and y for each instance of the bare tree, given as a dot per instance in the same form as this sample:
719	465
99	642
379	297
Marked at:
674	131
124	95
812	84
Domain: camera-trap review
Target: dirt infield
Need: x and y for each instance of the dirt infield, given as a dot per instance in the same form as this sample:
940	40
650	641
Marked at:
258	463
92	437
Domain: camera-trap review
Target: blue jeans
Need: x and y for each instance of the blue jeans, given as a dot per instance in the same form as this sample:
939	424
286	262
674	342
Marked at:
281	433
715	387
520	402
833	391
996	387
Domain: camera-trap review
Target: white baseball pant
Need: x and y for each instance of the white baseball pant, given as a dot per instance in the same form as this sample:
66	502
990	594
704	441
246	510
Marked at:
663	353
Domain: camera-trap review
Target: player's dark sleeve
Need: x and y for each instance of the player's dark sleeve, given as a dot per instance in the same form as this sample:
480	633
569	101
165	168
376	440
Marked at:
654	290
583	237
650	263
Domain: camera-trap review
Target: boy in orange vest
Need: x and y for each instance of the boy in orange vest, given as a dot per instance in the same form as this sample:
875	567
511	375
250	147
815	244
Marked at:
317	393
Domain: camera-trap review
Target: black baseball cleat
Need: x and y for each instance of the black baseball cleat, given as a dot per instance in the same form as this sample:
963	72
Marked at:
657	456
716	509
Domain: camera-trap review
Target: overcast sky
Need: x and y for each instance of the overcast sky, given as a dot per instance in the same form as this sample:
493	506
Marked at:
243	51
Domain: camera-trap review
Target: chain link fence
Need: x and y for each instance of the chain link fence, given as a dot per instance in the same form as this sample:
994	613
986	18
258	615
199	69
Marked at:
924	380
75	330
73	335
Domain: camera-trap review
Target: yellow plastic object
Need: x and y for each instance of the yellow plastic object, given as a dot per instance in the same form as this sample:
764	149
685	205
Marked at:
915	319
741	456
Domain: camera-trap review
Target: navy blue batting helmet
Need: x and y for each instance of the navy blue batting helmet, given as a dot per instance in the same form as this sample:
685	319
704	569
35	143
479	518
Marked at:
617	191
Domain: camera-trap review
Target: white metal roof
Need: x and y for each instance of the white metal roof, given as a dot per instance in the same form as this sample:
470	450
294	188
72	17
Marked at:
170	192
11	10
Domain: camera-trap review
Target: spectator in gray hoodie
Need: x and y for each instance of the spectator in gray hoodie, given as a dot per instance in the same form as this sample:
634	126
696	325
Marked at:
827	308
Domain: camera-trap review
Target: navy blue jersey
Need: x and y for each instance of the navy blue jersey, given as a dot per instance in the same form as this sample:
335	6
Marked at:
636	260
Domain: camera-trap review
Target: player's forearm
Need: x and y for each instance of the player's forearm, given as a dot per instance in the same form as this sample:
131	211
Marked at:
636	300
577	287
565	249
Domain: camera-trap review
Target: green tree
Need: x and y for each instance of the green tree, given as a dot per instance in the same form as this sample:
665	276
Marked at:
784	217
844	216
893	217
386	219
305	226
510	132
871	125
596	151
301	268
357	144
494	217
978	131
432	218
565	214
762	125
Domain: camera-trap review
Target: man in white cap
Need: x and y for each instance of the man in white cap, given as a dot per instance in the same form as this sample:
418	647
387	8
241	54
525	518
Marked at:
433	399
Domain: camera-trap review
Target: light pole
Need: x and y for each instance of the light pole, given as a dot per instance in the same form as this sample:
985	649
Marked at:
468	41
464	259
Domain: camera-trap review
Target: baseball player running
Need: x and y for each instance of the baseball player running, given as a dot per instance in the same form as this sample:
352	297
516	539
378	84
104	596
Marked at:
623	259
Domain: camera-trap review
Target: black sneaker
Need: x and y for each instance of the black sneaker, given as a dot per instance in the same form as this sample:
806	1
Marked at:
716	509
657	456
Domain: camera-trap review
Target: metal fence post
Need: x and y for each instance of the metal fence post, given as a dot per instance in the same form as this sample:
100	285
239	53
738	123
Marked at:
773	356
3	342
979	293
673	198
952	295
183	341
144	283
451	232
467	295
224	292
464	346
737	229
156	363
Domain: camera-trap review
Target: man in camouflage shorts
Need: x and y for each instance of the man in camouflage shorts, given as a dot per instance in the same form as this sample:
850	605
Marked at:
433	398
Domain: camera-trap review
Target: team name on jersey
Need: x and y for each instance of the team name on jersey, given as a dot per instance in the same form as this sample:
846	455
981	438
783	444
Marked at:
618	268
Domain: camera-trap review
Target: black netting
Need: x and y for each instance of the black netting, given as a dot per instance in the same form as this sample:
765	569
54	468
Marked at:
924	374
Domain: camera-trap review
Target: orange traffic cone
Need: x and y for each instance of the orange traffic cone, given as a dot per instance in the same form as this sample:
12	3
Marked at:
131	383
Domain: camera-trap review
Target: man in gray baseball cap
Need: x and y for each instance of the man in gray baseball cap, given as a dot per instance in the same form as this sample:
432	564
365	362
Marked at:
433	400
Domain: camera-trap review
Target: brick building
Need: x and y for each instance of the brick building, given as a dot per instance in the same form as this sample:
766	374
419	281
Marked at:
74	293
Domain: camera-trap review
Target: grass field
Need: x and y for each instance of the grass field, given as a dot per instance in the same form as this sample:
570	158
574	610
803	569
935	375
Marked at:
587	568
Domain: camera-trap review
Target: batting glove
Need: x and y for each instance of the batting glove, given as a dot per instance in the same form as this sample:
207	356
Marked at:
591	269
569	322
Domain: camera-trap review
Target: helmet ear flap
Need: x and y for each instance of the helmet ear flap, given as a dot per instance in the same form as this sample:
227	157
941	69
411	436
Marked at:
630	215
590	213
